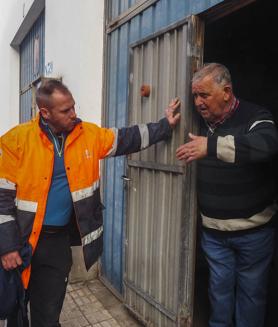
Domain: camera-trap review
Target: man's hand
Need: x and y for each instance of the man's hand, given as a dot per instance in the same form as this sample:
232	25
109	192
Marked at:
11	260
193	150
171	112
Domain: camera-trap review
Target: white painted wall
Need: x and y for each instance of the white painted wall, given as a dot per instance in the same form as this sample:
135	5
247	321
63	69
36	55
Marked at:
73	51
74	48
11	16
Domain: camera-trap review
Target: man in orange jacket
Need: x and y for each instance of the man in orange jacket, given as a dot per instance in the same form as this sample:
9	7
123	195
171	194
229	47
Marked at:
49	187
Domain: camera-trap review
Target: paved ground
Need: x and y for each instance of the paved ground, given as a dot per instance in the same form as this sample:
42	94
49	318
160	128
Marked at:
92	304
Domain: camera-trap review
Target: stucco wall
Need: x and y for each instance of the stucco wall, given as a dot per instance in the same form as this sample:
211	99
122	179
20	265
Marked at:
73	51
11	16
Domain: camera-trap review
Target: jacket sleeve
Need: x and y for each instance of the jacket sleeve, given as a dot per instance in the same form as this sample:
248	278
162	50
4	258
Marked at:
258	144
9	234
135	138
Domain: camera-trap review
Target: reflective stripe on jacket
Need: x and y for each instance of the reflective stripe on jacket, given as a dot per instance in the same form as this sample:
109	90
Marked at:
26	166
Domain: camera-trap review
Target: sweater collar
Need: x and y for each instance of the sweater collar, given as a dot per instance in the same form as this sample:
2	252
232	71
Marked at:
232	109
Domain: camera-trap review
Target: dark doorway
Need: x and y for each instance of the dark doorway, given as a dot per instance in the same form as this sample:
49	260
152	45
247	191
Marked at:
244	41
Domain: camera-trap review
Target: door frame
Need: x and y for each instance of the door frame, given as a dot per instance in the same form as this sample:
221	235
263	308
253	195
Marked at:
223	9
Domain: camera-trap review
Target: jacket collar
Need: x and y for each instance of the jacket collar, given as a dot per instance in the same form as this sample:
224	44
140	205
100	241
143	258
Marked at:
44	134
44	126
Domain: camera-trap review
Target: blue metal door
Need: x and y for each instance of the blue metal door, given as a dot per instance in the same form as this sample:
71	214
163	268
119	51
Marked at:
121	33
31	67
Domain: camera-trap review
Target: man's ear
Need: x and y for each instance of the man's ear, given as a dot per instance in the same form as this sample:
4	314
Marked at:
45	113
228	92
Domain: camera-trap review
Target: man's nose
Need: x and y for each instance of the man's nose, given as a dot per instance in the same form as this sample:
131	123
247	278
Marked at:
72	113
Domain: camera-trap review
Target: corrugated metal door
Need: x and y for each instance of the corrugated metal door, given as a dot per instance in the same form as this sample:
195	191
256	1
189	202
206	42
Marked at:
127	21
31	67
161	210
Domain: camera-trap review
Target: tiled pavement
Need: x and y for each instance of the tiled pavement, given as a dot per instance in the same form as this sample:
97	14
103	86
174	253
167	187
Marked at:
92	304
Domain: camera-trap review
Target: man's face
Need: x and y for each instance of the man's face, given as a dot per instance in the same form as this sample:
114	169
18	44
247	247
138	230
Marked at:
211	99
61	117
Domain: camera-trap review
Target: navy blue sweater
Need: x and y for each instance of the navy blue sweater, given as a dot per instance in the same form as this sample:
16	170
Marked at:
236	187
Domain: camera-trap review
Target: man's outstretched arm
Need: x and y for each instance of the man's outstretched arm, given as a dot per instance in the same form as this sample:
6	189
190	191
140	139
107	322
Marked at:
258	144
139	137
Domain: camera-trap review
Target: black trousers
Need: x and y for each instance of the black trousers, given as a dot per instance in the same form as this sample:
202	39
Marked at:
51	265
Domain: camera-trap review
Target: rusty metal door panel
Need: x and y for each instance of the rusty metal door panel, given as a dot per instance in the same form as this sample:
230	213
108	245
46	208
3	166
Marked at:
161	196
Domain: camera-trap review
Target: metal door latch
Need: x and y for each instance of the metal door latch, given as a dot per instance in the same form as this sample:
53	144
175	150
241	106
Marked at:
125	178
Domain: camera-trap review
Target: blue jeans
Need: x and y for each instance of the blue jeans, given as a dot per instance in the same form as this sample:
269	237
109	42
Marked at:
239	267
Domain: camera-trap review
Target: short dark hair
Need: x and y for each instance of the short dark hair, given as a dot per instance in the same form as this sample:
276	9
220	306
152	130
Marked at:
45	91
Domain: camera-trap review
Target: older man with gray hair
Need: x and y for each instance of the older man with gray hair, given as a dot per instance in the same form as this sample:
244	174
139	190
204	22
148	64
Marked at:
236	191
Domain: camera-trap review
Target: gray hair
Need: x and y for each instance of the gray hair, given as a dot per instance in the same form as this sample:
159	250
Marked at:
218	72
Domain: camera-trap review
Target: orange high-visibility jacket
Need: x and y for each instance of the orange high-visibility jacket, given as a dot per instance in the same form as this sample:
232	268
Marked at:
26	166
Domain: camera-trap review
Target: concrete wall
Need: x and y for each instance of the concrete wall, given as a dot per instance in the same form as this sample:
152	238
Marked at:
11	16
73	51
